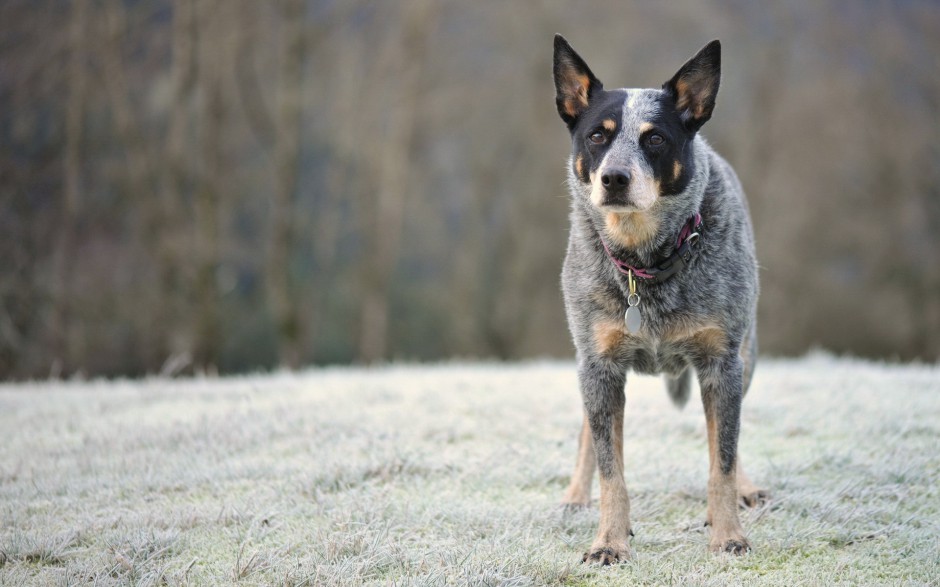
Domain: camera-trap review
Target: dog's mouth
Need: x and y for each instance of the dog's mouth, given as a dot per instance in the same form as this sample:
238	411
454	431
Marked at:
622	207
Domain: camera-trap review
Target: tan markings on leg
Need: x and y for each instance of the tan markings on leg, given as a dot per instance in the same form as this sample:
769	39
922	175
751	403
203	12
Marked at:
631	229
711	342
748	493
609	124
676	170
618	440
707	339
612	543
608	336
726	532
645	126
712	432
579	490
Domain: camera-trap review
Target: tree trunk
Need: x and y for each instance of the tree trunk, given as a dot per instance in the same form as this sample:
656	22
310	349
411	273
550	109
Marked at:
280	289
403	74
212	55
177	336
61	326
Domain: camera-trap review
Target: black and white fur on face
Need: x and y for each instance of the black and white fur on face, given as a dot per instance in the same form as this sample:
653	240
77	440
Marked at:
634	167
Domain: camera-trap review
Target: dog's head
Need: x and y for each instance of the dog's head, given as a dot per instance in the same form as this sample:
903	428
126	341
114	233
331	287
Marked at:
631	147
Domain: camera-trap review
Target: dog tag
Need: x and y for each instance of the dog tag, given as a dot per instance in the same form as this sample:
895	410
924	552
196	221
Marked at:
633	318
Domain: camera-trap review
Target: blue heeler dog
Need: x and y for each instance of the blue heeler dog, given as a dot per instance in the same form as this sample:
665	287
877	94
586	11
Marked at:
660	277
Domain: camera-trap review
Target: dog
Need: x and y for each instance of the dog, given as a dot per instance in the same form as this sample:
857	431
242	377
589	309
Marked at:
660	276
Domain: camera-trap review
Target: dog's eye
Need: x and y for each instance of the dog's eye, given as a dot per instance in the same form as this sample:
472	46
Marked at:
656	140
597	137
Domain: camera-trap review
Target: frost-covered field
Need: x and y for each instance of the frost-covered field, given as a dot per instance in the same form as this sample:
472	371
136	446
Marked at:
451	474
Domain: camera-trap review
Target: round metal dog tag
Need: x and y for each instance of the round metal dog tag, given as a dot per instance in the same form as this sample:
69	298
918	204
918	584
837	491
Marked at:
634	319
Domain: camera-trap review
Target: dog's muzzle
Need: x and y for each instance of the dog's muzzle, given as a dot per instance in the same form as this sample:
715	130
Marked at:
616	184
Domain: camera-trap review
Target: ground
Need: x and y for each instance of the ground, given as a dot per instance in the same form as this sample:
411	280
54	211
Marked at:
452	474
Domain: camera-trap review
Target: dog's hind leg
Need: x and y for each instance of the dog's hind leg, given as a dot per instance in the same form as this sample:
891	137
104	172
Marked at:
750	495
578	493
680	387
749	357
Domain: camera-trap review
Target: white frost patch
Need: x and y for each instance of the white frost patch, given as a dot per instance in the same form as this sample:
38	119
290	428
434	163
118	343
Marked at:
452	473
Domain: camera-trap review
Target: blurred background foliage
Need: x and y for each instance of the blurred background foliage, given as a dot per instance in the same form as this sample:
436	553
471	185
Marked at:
202	185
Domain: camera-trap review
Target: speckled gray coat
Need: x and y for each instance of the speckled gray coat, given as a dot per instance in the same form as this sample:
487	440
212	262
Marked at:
639	170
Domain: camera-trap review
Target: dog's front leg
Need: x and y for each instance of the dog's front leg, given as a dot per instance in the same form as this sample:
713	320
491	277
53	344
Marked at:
721	383
602	385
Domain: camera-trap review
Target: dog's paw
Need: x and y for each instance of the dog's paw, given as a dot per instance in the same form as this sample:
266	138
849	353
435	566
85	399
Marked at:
755	497
607	555
737	545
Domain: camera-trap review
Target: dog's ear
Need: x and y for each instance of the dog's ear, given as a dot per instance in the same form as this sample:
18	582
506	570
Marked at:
575	85
695	86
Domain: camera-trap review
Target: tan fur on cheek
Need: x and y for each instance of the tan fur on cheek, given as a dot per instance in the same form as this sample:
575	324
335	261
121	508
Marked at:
579	166
676	170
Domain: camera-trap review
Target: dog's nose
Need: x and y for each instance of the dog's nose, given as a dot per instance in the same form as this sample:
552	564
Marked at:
615	180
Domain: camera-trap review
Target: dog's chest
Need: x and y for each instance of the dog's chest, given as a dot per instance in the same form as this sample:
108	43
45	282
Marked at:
651	356
663	345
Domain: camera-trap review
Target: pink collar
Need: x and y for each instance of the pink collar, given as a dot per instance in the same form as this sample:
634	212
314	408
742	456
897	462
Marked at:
685	249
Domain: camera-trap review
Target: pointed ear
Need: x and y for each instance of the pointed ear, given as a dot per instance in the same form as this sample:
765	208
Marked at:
695	86
575	85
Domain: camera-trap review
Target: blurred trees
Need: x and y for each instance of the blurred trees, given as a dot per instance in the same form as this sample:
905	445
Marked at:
230	184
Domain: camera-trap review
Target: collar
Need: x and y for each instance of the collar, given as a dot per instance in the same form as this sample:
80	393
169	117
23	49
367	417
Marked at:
686	243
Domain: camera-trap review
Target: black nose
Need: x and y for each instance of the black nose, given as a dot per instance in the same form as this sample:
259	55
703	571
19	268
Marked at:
615	180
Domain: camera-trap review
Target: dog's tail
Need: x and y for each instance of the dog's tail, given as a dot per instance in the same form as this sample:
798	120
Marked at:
680	387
